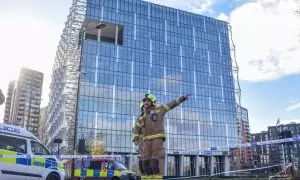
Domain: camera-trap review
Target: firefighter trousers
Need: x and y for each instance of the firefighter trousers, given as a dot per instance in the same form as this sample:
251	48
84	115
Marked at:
140	151
153	156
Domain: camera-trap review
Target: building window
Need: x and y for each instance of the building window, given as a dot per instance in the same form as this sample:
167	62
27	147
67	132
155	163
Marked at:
96	164
110	33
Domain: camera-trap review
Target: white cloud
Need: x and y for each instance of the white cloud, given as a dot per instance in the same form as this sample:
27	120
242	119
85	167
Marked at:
196	6
257	125
223	17
266	34
293	107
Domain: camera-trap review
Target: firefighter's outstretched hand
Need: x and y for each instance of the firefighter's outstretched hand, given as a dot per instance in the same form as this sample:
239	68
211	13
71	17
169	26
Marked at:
186	96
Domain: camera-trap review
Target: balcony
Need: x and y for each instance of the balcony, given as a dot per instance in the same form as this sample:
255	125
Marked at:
34	115
35	112
21	113
35	106
22	99
36	97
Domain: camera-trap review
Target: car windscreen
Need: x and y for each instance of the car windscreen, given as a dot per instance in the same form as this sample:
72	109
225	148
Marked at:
119	165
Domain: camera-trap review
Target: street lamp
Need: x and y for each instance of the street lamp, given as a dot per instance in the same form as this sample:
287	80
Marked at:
99	27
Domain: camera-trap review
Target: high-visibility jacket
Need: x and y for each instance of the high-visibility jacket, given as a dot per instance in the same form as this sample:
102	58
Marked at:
152	122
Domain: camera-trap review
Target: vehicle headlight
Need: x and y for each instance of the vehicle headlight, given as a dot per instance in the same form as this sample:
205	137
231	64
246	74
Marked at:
61	168
124	173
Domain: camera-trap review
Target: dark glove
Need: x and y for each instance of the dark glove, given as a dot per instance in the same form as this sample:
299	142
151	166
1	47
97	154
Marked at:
185	97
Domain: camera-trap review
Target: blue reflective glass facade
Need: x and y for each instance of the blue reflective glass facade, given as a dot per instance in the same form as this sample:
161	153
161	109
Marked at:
168	53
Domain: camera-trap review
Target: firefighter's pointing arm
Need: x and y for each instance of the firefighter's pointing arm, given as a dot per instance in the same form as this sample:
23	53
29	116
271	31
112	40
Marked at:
175	103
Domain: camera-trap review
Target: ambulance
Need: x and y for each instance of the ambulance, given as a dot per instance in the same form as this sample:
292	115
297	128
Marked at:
18	141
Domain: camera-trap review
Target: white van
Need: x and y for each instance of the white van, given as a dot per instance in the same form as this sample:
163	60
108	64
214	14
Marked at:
18	141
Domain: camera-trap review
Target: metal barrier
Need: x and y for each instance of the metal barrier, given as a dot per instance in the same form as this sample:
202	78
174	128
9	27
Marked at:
246	145
194	151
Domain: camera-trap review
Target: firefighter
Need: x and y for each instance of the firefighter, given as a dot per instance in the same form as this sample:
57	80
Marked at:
152	123
2	97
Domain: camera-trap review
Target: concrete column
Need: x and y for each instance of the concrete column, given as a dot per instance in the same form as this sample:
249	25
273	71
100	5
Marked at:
212	165
166	165
197	165
99	35
130	162
116	35
226	165
181	165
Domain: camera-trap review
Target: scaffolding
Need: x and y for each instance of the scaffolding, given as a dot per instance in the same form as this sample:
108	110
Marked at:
235	73
237	91
61	111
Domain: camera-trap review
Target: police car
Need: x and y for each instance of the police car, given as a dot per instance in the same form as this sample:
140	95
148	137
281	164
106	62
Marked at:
18	141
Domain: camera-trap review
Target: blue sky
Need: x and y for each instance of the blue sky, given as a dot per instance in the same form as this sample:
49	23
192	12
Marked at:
269	100
265	32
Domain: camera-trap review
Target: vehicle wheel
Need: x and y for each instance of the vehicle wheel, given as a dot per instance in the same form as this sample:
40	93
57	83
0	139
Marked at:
53	176
115	178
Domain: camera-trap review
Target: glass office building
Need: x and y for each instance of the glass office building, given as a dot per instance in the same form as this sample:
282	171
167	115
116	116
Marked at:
148	48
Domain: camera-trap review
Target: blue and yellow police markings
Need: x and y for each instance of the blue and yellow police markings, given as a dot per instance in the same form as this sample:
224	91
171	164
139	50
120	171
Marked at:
49	163
38	162
8	160
97	173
